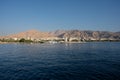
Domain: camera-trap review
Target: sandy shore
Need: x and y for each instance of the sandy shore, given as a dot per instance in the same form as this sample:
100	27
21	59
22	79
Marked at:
3	42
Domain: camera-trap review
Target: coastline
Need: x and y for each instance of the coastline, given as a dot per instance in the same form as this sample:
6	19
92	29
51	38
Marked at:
3	42
53	42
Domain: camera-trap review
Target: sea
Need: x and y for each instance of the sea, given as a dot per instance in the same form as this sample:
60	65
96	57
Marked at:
60	61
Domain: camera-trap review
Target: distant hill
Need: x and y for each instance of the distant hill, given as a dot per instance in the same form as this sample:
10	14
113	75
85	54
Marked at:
88	35
81	35
30	34
57	32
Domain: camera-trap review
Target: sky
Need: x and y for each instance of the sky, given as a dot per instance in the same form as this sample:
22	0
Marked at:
50	15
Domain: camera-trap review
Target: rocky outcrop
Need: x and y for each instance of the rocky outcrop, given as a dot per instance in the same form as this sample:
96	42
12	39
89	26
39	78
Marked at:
90	35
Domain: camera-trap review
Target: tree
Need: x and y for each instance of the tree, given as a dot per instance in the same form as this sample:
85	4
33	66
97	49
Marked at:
22	40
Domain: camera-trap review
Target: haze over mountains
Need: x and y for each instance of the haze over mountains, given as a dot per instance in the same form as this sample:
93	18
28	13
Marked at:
82	35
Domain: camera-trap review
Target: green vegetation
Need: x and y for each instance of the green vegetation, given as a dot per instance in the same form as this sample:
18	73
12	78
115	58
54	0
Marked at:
42	41
24	40
75	40
8	40
12	40
59	40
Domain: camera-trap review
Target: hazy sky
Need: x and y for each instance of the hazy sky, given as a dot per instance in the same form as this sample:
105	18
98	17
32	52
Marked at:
49	15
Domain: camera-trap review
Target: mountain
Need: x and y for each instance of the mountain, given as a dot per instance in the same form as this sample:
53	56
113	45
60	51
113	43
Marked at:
57	32
70	34
33	34
89	35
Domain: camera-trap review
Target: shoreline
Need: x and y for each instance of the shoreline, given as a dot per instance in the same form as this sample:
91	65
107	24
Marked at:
3	42
52	43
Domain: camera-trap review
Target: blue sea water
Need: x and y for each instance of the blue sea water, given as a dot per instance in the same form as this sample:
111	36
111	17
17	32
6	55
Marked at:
78	61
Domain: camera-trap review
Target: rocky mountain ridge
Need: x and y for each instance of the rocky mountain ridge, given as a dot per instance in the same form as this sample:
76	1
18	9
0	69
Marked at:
78	34
88	35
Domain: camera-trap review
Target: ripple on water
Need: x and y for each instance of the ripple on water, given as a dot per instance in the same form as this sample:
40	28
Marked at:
91	61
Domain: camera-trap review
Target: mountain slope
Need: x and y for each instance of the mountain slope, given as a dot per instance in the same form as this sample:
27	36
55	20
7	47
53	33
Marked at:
90	35
82	35
30	34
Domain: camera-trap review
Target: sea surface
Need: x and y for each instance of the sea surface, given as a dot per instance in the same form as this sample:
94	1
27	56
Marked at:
75	61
